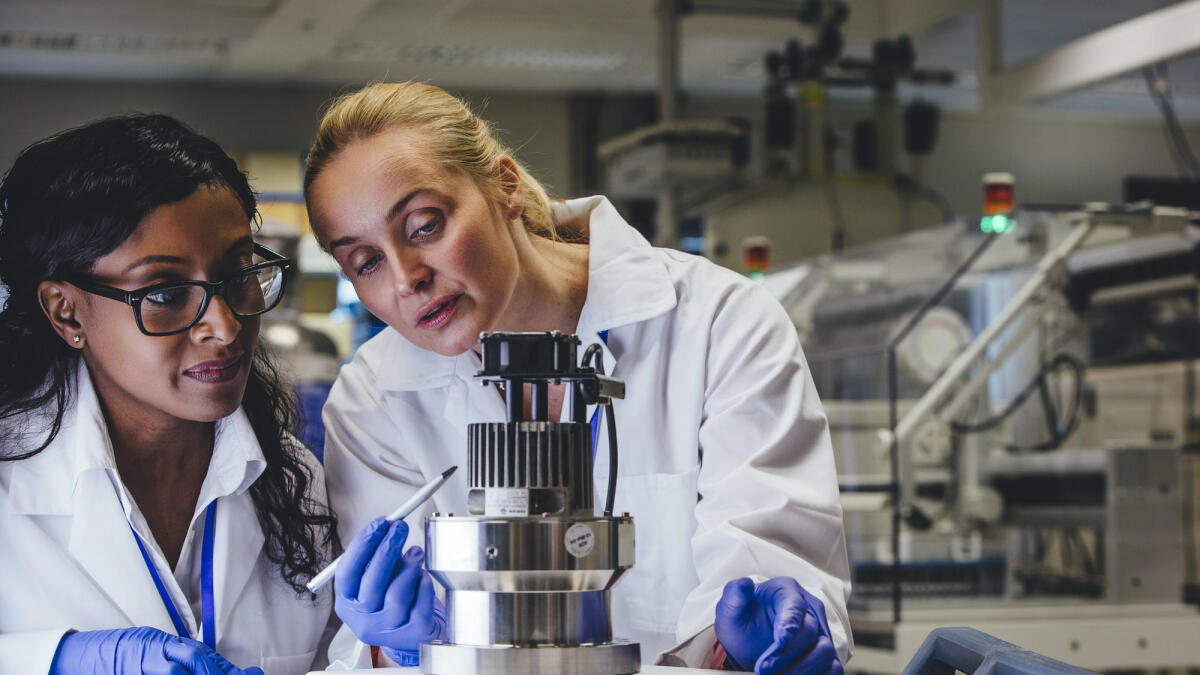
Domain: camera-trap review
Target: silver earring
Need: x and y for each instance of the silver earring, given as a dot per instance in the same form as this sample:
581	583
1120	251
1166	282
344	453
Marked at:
76	339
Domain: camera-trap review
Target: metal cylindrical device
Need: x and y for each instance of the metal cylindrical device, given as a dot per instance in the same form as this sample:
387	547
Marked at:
528	574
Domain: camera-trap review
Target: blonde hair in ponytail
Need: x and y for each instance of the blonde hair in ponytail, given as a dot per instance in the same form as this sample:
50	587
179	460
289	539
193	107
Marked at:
458	138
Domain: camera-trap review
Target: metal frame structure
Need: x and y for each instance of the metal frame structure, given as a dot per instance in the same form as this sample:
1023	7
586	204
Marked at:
1160	35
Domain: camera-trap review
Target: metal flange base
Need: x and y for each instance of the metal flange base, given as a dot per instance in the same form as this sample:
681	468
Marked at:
619	657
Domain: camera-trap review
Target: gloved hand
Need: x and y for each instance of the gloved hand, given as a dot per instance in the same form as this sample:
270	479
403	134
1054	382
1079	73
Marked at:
384	595
138	651
776	627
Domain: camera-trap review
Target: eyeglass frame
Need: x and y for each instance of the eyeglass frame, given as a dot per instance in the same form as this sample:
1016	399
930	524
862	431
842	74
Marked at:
134	298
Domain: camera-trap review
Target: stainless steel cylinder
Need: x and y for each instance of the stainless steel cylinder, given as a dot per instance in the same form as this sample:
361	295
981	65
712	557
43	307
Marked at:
528	619
529	595
512	555
616	658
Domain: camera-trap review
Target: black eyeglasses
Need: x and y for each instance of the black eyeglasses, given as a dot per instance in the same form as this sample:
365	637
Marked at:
175	306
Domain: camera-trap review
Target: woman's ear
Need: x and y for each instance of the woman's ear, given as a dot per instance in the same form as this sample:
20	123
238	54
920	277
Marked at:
510	184
59	307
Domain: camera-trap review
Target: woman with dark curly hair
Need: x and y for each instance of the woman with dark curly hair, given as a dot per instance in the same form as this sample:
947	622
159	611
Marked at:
156	513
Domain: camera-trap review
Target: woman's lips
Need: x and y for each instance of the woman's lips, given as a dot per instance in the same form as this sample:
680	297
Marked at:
220	370
437	316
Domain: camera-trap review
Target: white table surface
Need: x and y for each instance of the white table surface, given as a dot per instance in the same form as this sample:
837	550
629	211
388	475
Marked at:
647	670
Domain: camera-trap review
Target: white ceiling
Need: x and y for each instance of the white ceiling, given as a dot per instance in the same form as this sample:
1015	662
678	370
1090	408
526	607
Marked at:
526	45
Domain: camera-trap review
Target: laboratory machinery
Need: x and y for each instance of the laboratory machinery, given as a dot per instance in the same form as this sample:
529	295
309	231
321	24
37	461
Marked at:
709	182
529	570
1013	415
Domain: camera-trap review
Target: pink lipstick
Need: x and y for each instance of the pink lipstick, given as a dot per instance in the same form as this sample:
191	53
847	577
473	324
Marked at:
216	371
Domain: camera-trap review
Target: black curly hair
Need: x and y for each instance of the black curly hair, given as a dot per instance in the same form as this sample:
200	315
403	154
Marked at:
73	198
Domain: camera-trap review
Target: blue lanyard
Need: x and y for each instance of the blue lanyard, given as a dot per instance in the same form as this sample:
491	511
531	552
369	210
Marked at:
596	413
207	615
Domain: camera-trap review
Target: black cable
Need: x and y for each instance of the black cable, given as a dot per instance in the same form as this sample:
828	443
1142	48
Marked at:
593	354
907	185
1176	129
1157	88
1159	85
611	416
996	420
939	200
590	354
837	238
1059	432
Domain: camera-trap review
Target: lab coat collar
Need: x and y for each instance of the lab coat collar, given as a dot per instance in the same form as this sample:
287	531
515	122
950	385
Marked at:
46	483
627	283
627	280
76	476
406	366
237	459
236	463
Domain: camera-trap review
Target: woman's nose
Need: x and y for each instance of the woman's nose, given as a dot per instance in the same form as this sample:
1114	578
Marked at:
413	275
218	321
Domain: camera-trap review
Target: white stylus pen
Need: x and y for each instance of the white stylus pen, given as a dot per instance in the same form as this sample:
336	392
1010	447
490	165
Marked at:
326	575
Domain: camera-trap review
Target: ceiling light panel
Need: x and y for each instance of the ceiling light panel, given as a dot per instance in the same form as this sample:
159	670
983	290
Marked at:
483	57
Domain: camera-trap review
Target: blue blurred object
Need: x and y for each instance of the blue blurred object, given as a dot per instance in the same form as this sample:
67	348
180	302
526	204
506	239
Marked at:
312	396
594	624
951	650
310	359
366	324
774	627
384	595
138	650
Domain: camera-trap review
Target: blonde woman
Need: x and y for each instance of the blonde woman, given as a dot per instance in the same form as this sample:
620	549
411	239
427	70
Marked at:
728	471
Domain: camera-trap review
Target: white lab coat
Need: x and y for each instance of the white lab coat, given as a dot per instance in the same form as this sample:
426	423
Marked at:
68	559
724	454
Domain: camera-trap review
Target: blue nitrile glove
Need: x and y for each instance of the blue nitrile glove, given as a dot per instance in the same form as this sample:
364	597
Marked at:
384	595
776	627
138	651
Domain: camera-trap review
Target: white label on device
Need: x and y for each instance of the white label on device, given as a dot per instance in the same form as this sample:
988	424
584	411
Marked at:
506	502
580	540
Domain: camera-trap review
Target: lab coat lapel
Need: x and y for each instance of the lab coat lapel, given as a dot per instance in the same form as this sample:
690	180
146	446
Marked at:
237	462
74	476
103	544
628	281
235	555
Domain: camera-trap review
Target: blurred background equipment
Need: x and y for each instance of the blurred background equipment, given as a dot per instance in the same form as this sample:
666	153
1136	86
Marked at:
1014	420
694	169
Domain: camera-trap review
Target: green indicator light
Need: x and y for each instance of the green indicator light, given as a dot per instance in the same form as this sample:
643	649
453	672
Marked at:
756	275
998	223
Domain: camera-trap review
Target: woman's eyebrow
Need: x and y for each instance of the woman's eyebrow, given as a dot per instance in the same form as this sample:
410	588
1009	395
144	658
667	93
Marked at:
244	242
150	259
399	206
396	209
341	241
